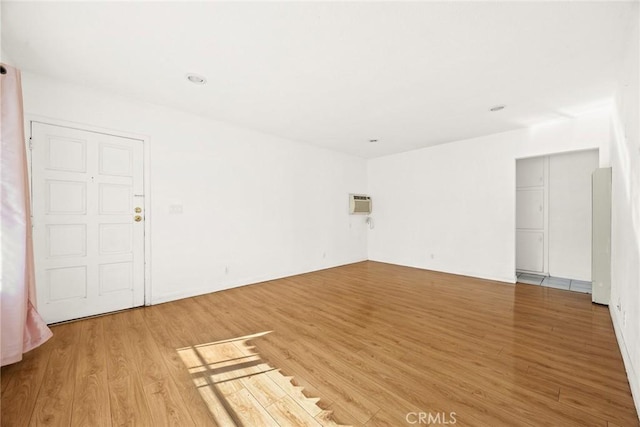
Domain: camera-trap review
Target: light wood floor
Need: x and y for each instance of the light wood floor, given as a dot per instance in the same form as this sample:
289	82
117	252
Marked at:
373	341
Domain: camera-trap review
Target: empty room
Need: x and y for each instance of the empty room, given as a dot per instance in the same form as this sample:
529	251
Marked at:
320	213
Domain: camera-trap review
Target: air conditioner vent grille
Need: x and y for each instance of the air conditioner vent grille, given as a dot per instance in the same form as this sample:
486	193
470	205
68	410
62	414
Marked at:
359	204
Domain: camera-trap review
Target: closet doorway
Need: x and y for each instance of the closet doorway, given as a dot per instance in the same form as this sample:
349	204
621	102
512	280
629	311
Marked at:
553	220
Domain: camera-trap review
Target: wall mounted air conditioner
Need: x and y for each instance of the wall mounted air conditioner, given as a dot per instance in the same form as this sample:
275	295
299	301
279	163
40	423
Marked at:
359	204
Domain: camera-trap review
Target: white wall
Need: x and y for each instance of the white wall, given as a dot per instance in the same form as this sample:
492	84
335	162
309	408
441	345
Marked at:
587	131
456	201
447	208
5	58
261	206
570	214
625	214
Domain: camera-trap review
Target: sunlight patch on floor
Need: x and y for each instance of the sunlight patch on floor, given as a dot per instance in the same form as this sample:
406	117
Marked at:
240	389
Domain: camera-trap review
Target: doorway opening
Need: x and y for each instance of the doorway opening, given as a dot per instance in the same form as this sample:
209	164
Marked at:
554	220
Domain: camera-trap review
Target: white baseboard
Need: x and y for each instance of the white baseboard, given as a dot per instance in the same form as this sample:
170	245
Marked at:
202	290
504	279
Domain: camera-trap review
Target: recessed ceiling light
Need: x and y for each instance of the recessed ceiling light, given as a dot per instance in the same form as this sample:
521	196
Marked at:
497	108
195	78
373	140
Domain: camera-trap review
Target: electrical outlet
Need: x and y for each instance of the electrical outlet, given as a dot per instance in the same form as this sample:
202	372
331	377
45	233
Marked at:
226	269
432	256
324	254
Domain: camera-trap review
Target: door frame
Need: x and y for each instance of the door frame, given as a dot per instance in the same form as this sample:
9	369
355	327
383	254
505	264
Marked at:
34	118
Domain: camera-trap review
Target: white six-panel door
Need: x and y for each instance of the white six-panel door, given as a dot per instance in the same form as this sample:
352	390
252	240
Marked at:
87	189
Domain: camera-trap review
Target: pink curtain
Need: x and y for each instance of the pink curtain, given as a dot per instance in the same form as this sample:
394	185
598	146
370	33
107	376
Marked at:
21	326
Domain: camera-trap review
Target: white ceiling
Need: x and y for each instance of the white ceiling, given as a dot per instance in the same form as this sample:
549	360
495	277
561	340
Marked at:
336	74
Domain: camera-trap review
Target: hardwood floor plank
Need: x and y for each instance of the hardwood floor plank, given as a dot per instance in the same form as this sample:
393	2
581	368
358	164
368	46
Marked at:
166	405
263	388
309	404
360	405
219	411
606	405
128	403
141	347
249	411
162	395
119	363
287	412
170	336
55	399
91	395
21	384
336	415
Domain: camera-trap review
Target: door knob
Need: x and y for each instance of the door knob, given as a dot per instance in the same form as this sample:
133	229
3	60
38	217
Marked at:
138	210
137	218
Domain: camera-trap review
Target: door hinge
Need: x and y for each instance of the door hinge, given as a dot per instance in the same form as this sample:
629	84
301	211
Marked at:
30	143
